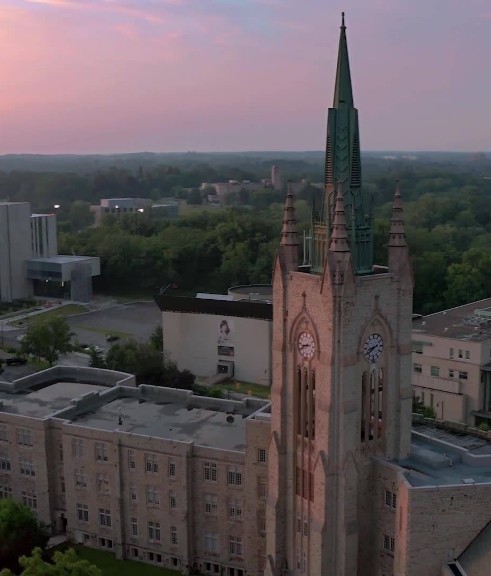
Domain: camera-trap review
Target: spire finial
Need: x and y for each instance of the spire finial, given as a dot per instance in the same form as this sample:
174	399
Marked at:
342	20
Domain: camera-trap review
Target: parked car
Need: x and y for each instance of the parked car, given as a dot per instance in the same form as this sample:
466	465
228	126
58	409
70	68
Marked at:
16	361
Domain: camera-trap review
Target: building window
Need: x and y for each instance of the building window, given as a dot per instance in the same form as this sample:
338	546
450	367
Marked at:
261	456
262	487
60	452
29	499
389	543
153	531
172	499
77	447
105	517
235	545
210	542
417	368
435	371
152	495
261	522
5	492
234	476
26	466
451	354
133	496
451	373
101	452
134	552
235	510
4	463
102	483
131	460
463	375
467	355
4	437
211	504
62	484
24	437
390	499
305	525
151	464
134	526
154	557
105	543
82	513
173	534
171	468
210	472
80	479
461	355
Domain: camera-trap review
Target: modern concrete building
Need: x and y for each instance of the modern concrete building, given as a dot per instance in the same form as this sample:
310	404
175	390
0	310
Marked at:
29	260
221	335
15	250
452	362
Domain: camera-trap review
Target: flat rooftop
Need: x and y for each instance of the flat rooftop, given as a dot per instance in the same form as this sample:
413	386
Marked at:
44	402
439	458
61	259
171	419
470	322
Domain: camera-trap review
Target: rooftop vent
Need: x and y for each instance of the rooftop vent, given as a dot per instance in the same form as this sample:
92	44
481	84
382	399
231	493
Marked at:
230	419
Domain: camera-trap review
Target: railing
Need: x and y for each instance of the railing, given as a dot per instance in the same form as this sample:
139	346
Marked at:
459	427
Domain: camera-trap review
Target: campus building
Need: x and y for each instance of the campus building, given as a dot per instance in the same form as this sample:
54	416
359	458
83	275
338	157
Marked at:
29	261
215	335
329	478
452	363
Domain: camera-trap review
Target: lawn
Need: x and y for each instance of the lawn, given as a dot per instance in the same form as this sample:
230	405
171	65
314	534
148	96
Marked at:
249	388
110	565
67	310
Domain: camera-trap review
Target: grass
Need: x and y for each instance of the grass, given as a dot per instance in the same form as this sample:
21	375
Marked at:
67	310
249	388
38	364
110	565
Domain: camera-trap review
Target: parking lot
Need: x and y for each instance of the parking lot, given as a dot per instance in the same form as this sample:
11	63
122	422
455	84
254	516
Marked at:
135	320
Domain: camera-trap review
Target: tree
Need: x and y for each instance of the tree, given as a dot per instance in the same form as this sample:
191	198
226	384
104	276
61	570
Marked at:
48	338
64	564
157	339
20	532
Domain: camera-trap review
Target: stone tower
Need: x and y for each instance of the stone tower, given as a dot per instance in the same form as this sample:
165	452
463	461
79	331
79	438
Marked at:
341	391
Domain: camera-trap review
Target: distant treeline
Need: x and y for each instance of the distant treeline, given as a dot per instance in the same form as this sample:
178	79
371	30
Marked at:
447	213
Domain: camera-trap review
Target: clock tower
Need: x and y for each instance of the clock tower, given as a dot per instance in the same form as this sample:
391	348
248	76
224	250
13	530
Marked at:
341	393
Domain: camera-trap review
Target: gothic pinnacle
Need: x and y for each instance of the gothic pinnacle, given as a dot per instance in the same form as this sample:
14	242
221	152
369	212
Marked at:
289	235
339	235
397	236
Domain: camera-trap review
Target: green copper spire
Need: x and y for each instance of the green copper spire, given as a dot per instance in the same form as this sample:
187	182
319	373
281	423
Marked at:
343	167
343	91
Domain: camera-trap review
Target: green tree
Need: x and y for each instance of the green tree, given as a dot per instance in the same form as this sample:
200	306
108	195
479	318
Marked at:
64	564
48	338
157	339
20	532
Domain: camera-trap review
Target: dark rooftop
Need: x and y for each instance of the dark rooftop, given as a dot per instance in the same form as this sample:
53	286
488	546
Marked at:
471	322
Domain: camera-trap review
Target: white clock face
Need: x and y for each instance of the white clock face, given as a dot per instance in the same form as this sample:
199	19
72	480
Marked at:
373	347
306	345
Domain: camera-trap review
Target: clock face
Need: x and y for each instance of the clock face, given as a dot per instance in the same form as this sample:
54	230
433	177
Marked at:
373	347
306	345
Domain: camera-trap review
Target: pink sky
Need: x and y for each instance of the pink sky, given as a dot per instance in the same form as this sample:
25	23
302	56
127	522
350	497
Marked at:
100	76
